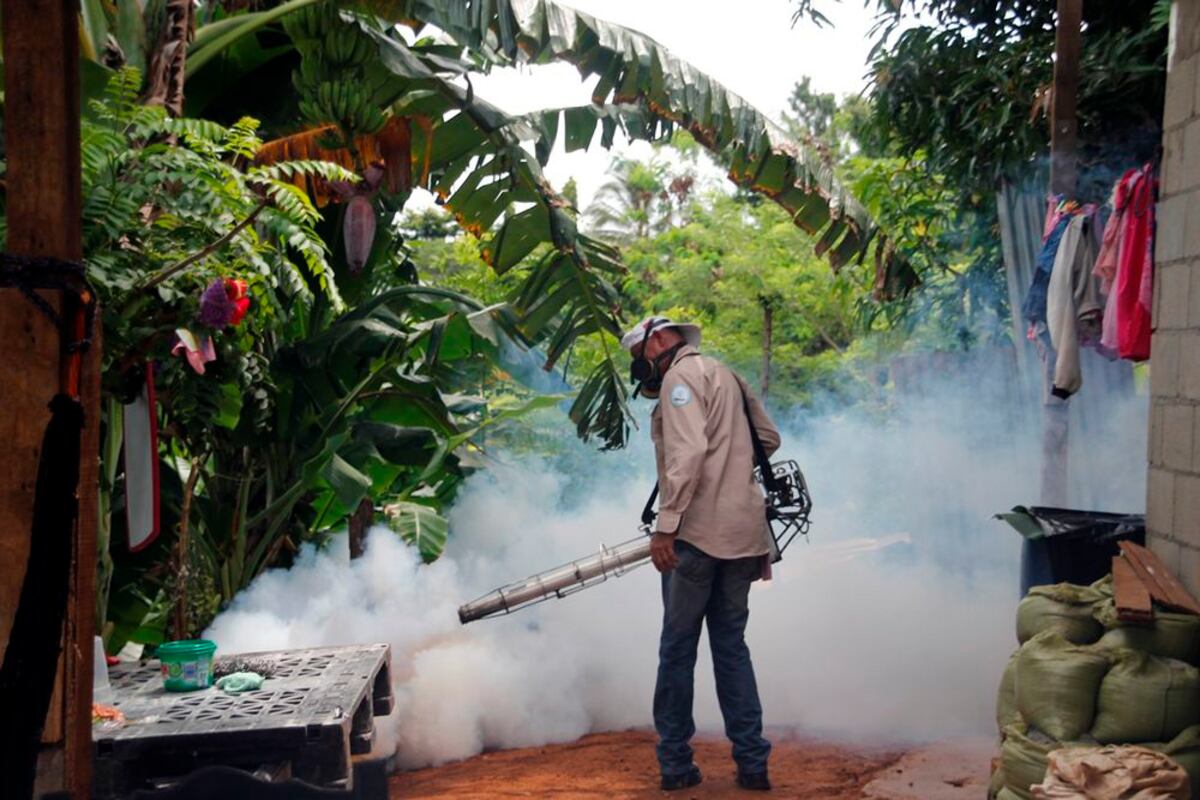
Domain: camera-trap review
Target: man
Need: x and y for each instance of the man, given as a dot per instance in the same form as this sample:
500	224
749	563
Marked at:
710	541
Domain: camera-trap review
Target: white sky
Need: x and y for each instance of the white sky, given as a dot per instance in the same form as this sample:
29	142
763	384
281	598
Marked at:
756	52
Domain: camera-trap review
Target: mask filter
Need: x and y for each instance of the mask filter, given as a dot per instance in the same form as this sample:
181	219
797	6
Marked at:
648	373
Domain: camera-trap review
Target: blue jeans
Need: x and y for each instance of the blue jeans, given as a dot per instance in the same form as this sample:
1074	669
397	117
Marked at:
717	590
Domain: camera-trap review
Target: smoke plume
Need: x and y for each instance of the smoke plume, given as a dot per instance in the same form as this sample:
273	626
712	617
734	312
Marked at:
892	625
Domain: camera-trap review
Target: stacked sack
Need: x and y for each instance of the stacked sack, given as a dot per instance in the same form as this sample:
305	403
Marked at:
1083	678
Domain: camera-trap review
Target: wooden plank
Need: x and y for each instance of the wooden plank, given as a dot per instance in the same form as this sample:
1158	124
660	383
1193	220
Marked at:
41	80
81	611
1177	596
1130	595
1163	586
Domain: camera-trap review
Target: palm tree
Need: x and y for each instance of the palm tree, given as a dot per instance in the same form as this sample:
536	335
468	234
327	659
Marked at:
633	204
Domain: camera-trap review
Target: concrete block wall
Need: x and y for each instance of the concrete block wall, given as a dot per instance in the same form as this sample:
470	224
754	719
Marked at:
1173	485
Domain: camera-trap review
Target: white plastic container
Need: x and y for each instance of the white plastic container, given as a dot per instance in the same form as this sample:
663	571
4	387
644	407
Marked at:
101	689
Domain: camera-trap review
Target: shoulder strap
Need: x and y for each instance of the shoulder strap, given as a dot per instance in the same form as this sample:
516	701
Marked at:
760	459
648	511
760	452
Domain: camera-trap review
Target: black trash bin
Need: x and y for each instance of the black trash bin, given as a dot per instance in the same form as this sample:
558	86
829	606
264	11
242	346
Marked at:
1064	544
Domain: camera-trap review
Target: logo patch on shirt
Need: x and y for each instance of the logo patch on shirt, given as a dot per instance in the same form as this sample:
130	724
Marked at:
681	396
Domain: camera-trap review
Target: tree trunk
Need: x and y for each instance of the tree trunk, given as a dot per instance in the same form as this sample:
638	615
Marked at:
768	331
360	522
165	73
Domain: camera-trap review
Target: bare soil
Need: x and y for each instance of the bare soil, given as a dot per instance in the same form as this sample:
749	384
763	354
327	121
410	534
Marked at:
622	765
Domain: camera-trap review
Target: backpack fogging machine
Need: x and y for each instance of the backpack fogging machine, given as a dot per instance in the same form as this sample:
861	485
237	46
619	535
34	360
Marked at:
788	505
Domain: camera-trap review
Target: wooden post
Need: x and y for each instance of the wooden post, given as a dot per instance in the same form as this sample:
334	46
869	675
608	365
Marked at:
1064	127
41	80
1064	124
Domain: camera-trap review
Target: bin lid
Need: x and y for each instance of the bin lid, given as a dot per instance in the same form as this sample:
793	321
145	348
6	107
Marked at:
1043	522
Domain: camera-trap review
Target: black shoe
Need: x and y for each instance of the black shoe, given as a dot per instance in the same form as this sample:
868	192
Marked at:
684	780
754	781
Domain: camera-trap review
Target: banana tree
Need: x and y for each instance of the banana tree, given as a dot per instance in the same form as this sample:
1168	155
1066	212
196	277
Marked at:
477	159
485	165
304	404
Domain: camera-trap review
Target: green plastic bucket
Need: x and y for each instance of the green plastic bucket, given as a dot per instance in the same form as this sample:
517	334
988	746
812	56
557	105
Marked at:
187	665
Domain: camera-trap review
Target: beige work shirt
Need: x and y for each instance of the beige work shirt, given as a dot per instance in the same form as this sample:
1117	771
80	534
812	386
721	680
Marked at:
707	493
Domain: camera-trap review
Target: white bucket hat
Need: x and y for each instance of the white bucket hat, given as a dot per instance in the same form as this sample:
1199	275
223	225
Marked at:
637	334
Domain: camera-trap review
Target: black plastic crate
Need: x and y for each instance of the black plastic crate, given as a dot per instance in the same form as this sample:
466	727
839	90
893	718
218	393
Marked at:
315	711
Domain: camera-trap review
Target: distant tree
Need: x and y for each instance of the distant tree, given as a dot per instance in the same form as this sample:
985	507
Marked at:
812	112
643	198
635	202
970	89
570	191
428	223
748	277
950	242
836	128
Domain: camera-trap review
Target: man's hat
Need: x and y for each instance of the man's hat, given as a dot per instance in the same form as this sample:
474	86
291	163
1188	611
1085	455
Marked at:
638	334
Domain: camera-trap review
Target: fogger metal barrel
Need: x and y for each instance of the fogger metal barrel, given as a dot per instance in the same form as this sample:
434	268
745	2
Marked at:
610	562
788	507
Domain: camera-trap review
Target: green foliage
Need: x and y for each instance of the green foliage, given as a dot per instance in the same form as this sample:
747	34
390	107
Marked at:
724	268
640	199
309	407
837	128
968	90
451	259
420	526
161	221
735	263
342	387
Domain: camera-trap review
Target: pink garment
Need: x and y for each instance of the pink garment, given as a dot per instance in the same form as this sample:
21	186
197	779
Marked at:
1134	271
1146	290
1107	264
1053	213
1110	327
1110	245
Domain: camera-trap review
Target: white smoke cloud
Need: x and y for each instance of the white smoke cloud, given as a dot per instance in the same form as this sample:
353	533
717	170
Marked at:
893	625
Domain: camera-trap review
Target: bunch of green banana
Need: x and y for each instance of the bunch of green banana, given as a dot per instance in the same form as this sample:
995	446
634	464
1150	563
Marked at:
311	22
311	73
331	79
344	103
346	46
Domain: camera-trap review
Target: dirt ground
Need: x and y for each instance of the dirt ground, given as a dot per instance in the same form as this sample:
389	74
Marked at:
622	765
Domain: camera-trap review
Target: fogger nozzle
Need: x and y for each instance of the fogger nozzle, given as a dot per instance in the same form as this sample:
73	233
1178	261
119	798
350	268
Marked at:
560	581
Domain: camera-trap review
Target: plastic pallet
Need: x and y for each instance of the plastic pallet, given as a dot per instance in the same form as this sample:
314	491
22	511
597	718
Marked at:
313	713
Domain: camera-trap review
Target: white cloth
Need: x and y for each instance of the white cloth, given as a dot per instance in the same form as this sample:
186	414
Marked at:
1072	296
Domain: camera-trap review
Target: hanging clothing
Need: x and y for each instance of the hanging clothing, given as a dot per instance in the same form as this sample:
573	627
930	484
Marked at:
1108	264
1110	246
1072	302
1134	282
1034	307
1054	211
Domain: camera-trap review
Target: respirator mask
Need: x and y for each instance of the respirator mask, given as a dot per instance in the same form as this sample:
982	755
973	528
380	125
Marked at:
648	373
